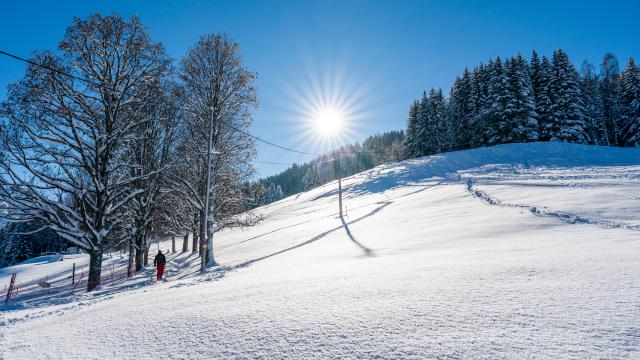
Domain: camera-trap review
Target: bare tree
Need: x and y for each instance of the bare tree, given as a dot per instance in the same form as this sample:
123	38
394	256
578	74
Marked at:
65	140
220	95
151	154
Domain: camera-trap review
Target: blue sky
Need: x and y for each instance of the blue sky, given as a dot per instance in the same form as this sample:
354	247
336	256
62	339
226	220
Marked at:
371	57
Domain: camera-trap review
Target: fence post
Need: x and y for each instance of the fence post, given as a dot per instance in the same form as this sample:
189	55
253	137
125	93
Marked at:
73	274
11	284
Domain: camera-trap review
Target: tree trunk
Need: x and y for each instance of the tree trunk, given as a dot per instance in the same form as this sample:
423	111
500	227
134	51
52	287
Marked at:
146	256
95	268
194	242
131	258
209	257
185	242
173	244
196	232
202	235
139	259
139	251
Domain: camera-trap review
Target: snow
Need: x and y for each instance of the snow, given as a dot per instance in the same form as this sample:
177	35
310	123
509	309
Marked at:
44	259
40	266
511	251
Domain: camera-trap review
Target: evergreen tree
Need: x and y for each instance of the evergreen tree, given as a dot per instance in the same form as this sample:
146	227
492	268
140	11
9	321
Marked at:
592	97
520	111
610	92
541	88
566	119
630	122
423	126
411	137
439	135
497	127
535	68
458	114
274	193
477	97
311	179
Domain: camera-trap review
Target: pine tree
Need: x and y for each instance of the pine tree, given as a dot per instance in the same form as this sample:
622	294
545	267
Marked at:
630	124
535	68
541	80
611	102
274	193
480	112
311	179
497	126
423	129
477	96
520	111
458	114
592	98
410	140
440	137
567	110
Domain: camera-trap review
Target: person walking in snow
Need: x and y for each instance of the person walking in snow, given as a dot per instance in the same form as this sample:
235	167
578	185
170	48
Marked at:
159	263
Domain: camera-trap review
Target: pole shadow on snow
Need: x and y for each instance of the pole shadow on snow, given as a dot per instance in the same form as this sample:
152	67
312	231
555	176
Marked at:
367	251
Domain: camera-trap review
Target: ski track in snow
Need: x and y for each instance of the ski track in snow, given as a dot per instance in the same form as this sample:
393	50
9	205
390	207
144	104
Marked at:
546	212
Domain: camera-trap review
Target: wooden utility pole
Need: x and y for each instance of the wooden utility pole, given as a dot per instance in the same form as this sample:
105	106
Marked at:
339	171
340	194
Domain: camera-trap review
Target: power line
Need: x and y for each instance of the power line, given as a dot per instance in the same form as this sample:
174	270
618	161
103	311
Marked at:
265	141
16	57
271	163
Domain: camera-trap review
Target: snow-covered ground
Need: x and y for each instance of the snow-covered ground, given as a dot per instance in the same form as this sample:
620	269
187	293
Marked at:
512	251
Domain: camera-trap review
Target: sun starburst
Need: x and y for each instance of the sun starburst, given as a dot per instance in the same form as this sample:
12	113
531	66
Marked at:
326	106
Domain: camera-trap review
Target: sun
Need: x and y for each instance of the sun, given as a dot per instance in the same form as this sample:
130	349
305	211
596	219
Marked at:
328	122
327	103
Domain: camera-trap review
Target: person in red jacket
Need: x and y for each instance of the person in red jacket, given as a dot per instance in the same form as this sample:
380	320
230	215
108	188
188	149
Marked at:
159	263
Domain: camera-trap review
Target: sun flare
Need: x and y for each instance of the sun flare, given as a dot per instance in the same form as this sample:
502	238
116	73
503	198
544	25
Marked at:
328	104
328	122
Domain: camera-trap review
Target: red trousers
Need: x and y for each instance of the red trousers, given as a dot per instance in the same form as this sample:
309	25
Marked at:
160	268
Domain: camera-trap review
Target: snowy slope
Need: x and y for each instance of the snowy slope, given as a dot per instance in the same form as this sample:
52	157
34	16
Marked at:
512	251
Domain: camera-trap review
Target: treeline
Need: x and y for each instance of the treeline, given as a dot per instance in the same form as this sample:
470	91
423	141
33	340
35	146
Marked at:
22	241
110	143
516	100
346	161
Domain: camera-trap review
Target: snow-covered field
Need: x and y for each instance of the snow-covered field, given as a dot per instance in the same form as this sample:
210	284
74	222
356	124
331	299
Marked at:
512	251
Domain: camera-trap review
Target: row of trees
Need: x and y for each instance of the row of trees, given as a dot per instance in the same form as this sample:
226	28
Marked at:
346	161
109	144
538	100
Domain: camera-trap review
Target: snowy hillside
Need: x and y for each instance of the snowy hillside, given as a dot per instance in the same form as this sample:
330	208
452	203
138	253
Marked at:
512	251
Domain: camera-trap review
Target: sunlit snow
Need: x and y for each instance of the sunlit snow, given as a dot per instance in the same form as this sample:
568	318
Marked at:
516	251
